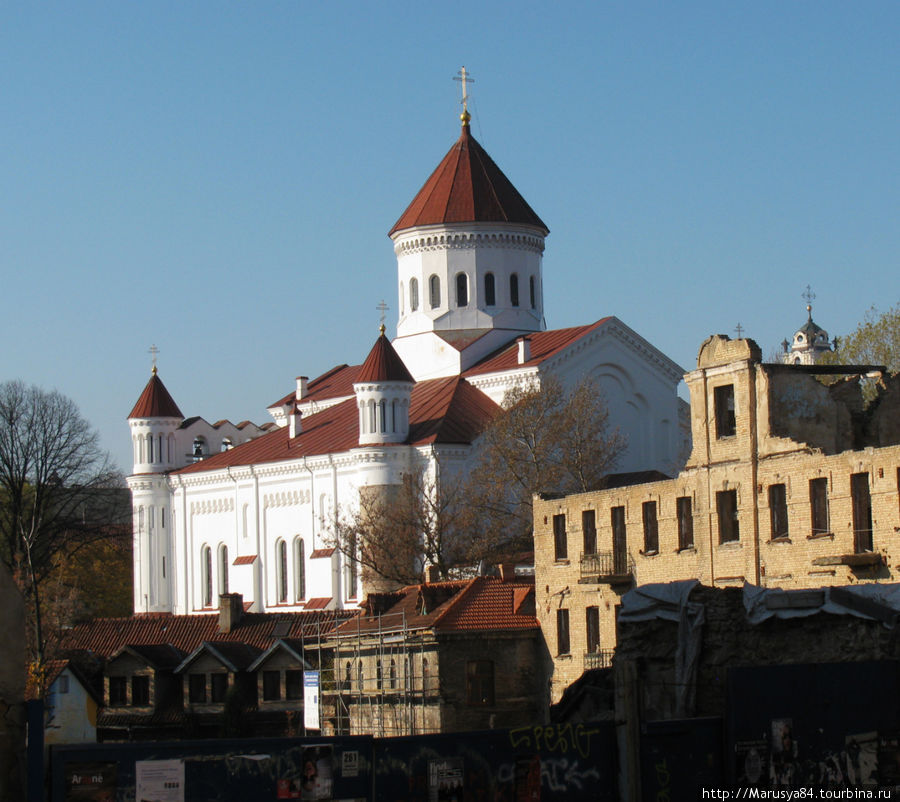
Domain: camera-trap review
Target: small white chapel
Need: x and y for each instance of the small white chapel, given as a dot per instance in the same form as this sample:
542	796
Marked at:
244	509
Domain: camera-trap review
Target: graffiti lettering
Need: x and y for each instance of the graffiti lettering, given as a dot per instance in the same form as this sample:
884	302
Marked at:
558	774
562	738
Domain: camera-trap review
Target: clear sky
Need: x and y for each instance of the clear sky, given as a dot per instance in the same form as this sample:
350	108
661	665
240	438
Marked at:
219	178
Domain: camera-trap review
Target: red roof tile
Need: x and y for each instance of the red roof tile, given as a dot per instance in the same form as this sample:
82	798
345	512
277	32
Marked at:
467	187
245	559
155	402
383	365
318	603
483	603
106	636
319	553
543	344
446	410
334	383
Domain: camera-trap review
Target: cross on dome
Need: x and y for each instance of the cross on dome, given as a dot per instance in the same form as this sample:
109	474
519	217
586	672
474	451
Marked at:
153	351
463	77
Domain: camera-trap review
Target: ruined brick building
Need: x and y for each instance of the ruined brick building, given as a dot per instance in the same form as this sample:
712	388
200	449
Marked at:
791	483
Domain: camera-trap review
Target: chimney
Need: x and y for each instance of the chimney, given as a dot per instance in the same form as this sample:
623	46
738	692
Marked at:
302	388
432	574
507	572
524	350
231	609
294	423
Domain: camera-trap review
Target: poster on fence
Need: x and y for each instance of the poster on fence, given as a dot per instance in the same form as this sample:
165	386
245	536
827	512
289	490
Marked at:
90	782
159	780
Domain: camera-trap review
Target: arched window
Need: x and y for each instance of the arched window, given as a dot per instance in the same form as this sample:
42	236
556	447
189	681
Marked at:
223	569
281	571
490	291
227	445
394	404
300	568
347	675
514	290
402	299
206	569
382	415
200	450
149	448
372	424
434	292
462	289
531	291
392	677
413	294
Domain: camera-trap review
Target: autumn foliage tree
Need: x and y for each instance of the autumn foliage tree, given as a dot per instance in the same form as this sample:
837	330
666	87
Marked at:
545	438
58	491
875	341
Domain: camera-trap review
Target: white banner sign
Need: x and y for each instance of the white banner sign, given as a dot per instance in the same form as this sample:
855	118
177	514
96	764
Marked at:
311	700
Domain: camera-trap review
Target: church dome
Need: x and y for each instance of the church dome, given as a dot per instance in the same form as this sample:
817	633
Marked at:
155	401
467	187
810	341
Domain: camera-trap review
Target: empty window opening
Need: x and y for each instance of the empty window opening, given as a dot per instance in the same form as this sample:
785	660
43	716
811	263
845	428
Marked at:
480	682
727	508
592	629
589	531
271	686
778	512
651	527
531	292
514	290
620	543
862	512
562	632
724	407
818	504
560	546
685	522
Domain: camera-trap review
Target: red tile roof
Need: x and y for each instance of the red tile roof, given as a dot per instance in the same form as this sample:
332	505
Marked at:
446	410
335	383
245	559
319	553
155	402
318	603
480	604
383	365
544	344
106	636
467	187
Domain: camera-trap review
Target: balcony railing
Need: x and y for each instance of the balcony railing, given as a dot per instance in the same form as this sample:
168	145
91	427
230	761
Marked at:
607	566
602	658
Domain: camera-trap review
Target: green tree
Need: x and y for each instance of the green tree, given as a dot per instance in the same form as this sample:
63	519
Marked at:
58	491
875	341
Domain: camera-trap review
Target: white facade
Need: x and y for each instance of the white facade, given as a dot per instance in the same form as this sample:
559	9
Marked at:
471	305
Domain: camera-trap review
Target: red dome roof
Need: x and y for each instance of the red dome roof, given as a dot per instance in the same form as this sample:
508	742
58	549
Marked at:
383	365
467	187
155	402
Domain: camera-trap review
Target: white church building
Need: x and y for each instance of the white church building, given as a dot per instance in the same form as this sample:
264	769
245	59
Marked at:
223	508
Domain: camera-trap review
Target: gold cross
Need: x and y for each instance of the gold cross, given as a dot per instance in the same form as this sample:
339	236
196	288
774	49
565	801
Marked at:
463	76
153	351
382	307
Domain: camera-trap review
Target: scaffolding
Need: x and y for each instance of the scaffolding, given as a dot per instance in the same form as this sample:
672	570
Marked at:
379	677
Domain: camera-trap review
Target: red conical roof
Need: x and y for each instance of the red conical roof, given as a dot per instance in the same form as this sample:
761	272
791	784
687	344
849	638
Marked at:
155	402
383	365
467	187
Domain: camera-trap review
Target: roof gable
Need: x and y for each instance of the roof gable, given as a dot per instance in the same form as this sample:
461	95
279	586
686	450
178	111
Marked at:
468	187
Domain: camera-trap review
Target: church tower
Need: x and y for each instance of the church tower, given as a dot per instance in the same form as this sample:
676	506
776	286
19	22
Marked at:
153	422
469	250
810	341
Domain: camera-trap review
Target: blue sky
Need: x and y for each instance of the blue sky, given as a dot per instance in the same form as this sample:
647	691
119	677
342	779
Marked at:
219	178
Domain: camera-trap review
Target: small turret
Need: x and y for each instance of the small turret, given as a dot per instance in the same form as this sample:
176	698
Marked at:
383	391
810	341
153	421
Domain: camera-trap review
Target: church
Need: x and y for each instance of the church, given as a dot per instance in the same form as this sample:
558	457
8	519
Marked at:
222	508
